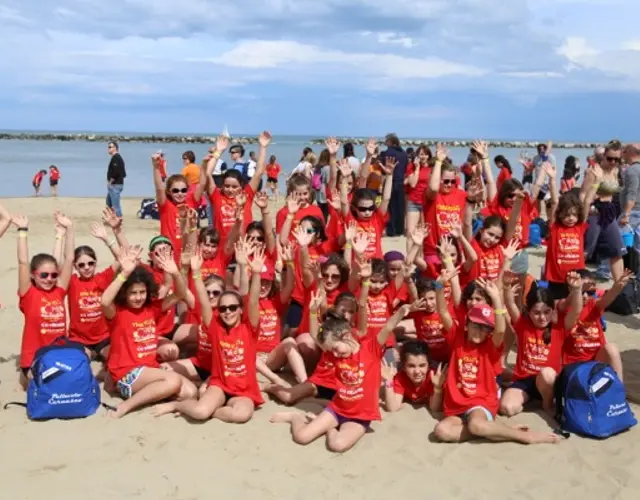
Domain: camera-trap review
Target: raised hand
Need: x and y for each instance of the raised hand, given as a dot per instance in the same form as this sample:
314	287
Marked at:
222	143
185	256
361	242
390	164
475	191
549	169
419	234
242	251
511	250
293	204
408	270
332	144
110	218
129	259
491	288
192	219
446	248
482	148
261	200
62	220
622	281
302	237
442	153
196	260
335	199
166	262
286	252
317	300
446	275
155	160
439	376
257	263
350	231
371	147
456	230
98	231
264	139
241	199
388	370
574	281
20	221
365	270
345	168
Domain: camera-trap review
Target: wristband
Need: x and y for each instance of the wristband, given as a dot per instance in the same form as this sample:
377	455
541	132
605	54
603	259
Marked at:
58	237
313	313
366	283
348	245
388	384
192	230
121	277
23	229
111	243
196	276
437	390
22	234
290	263
447	259
484	158
438	286
499	312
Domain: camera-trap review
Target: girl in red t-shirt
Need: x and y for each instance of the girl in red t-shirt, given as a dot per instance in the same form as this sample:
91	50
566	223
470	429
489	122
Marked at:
504	167
415	383
37	181
42	287
357	367
298	206
539	339
273	170
128	305
233	392
416	182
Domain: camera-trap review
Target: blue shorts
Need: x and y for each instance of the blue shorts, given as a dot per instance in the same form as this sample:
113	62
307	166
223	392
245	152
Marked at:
528	386
343	420
412	206
125	383
520	263
465	415
294	315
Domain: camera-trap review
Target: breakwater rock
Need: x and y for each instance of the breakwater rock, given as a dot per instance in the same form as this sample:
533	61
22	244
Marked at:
467	144
163	139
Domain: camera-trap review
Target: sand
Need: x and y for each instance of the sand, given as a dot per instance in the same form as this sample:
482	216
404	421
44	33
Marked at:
144	457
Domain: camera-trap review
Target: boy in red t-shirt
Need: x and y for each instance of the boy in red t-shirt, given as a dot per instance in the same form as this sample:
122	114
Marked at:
37	180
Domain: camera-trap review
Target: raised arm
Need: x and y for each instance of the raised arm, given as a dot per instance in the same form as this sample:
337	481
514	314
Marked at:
167	263
241	275
58	244
482	148
264	140
441	301
363	297
390	165
514	216
392	400
24	273
128	261
206	313
303	240
262	202
254	290
610	295
436	174
332	145
158	183
287	277
293	205
5	220
438	378
541	179
396	318
316	304
110	218
492	290
574	300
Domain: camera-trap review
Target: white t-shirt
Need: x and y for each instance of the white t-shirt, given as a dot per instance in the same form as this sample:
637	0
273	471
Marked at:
301	168
251	168
217	170
354	163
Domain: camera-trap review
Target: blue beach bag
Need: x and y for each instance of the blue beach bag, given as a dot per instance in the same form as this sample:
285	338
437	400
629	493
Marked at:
535	235
591	401
63	385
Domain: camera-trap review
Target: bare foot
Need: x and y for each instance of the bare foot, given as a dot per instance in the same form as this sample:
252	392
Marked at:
280	382
283	417
542	437
116	414
164	408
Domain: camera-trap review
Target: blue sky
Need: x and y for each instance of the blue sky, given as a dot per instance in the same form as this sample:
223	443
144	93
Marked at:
528	69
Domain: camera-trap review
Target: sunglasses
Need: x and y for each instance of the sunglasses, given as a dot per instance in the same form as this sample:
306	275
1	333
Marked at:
44	276
449	182
310	231
369	208
214	293
590	293
234	151
613	159
511	196
83	265
182	190
331	277
232	308
259	239
233	186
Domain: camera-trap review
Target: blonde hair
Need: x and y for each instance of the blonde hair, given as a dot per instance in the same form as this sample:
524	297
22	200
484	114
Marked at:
311	158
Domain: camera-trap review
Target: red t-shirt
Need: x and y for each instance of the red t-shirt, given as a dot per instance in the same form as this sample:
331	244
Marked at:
203	356
503	176
233	366
359	377
335	225
325	373
379	310
440	215
488	265
170	223
271	310
430	330
314	252
45	319
528	212
87	323
54	174
273	170
331	297
416	194
471	377
375	228
134	340
311	210
565	251
37	179
224	212
533	354
165	321
584	341
411	392
218	266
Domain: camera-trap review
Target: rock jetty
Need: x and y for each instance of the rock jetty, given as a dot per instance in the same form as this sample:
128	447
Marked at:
467	144
163	139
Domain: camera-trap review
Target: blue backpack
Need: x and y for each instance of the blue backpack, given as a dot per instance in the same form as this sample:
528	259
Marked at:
63	385
591	401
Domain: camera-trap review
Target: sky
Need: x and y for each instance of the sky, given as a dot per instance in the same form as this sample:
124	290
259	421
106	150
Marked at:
567	70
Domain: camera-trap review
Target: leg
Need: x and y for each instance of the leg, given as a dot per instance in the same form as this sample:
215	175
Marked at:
303	431
152	384
184	367
513	401
610	354
186	334
308	349
452	430
291	395
412	221
479	425
345	437
108	199
287	351
238	410
263	369
201	409
544	383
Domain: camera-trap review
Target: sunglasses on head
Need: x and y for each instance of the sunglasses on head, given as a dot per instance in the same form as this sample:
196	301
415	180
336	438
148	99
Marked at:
331	277
214	293
83	265
44	276
448	182
613	159
179	190
369	208
232	308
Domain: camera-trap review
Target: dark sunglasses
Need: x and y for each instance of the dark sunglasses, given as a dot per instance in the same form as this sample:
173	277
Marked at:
83	265
259	239
369	208
590	293
44	276
232	308
310	231
613	159
214	293
511	196
183	190
449	182
332	277
234	151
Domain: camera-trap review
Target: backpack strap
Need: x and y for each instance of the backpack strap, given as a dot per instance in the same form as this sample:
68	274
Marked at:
15	403
108	406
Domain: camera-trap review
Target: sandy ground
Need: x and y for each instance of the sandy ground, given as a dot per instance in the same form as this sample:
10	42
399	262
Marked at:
143	457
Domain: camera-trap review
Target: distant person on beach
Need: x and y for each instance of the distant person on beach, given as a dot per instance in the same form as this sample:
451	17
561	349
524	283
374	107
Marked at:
349	154
397	205
218	171
54	178
37	180
191	171
162	165
115	178
273	170
301	168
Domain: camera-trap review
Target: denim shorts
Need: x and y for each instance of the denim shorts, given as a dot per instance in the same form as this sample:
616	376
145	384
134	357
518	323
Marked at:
125	383
528	386
343	420
412	206
465	415
520	263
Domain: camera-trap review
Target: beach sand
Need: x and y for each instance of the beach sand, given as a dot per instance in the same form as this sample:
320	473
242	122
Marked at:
169	458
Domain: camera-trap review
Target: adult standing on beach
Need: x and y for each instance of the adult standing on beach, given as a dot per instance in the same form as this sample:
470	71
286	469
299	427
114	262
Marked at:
397	207
544	155
630	196
115	178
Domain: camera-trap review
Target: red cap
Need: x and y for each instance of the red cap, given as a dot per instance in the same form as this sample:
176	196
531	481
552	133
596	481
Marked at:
482	314
268	273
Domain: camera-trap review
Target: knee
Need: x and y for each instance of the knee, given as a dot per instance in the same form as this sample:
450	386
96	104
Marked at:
443	433
509	408
477	426
174	382
188	390
337	444
546	378
301	437
242	416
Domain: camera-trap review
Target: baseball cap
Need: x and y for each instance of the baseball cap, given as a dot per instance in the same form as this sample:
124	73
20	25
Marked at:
482	314
268	272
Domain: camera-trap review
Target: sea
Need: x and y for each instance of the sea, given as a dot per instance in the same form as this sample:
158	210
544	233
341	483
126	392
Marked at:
83	165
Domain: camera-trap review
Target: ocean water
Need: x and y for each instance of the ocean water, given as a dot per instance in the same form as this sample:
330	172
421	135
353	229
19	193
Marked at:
83	165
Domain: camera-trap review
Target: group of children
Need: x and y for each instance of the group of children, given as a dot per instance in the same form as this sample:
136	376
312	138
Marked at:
192	323
54	178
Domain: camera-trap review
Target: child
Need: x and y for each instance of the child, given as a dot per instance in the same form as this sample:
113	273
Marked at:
538	361
428	325
355	405
470	396
37	180
128	306
54	178
299	205
416	181
415	383
233	393
42	286
273	170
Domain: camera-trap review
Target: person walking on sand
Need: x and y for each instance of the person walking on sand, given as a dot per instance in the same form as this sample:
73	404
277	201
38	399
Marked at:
397	207
37	180
115	178
54	178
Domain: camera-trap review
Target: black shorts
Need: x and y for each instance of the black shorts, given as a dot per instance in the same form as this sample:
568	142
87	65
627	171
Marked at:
558	291
542	195
36	186
202	373
172	333
527	385
527	179
294	315
273	180
99	346
323	392
25	371
53	183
